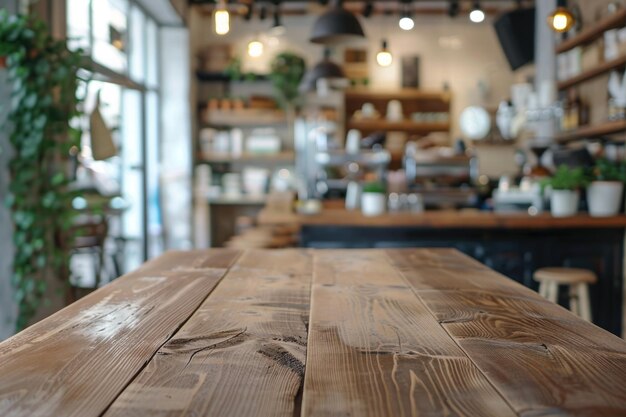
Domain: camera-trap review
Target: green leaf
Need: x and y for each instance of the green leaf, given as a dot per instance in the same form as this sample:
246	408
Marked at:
57	179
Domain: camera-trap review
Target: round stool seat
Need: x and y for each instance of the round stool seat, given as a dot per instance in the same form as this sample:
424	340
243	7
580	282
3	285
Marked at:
565	275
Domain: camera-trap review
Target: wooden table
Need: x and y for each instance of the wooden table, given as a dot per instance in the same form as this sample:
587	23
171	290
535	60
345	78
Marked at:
313	333
514	244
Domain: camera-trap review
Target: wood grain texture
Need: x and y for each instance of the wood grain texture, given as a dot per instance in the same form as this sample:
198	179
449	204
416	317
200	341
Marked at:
77	361
375	350
539	356
242	353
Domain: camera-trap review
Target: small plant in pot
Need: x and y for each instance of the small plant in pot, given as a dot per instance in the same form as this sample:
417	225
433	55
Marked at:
373	199
604	194
565	194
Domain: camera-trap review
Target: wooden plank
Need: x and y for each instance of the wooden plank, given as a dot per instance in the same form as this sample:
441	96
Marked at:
539	356
376	350
76	362
241	354
592	131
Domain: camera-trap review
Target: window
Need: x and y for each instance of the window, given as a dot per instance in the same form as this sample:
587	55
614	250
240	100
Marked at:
123	43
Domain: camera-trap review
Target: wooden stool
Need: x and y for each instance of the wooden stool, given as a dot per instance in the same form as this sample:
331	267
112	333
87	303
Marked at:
577	279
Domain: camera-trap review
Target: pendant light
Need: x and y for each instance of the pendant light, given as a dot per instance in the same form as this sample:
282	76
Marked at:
406	21
476	14
335	26
255	48
278	29
323	69
222	18
384	57
561	19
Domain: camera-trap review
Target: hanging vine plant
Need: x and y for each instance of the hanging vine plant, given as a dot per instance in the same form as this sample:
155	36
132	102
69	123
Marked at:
42	73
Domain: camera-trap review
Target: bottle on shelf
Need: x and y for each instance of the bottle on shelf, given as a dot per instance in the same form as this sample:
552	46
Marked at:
574	111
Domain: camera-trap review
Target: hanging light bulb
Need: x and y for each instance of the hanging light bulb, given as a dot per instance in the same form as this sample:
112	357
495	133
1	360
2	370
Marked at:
406	21
384	57
222	19
278	29
561	19
477	15
255	48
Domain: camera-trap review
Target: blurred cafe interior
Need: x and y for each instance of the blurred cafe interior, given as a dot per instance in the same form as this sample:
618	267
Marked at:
496	127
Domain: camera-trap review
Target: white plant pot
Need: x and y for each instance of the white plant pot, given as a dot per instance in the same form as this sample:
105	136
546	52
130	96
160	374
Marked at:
604	198
373	204
564	203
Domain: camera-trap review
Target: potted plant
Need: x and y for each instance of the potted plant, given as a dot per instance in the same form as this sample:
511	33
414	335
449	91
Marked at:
604	194
287	70
43	75
373	199
565	186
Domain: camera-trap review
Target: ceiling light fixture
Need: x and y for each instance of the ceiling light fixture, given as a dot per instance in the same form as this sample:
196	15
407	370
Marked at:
336	25
477	15
325	69
278	29
222	18
453	10
384	57
561	19
368	9
255	48
249	12
406	21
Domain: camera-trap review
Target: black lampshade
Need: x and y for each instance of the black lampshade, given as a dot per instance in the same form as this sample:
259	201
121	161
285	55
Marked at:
335	26
323	69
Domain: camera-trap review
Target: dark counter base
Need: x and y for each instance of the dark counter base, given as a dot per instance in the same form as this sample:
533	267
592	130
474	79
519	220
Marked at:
514	253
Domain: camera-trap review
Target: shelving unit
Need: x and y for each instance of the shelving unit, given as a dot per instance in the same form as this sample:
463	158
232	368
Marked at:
409	126
222	158
216	218
412	101
587	36
244	118
607	128
594	32
602	68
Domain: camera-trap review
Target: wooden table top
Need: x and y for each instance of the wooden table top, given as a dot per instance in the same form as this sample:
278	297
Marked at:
408	332
451	219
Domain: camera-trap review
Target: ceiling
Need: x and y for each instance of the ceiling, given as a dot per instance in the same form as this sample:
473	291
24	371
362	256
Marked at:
295	7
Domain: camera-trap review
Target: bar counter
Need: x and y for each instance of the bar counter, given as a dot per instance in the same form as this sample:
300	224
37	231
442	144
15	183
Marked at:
471	219
283	333
513	244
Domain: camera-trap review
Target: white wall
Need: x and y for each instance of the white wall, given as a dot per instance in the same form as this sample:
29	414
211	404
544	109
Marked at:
456	51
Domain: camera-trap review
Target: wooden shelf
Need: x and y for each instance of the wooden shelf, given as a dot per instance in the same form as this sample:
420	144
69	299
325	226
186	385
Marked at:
245	118
593	131
370	125
405	93
596	71
591	33
216	158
